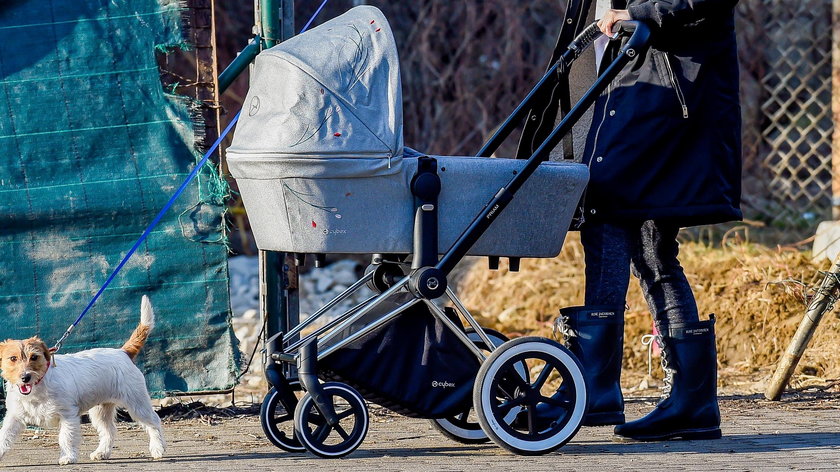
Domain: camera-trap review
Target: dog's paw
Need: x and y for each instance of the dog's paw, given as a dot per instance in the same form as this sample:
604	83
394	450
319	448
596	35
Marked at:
100	455
64	460
157	451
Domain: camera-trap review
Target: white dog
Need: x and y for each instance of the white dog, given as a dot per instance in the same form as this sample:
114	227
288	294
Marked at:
43	390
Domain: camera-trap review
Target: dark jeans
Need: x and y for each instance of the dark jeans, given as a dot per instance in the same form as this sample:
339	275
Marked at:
650	250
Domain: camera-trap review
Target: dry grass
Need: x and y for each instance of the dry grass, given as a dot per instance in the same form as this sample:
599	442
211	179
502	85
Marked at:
754	290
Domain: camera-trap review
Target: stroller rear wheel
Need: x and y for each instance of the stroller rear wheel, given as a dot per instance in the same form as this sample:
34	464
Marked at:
502	387
338	440
464	427
277	420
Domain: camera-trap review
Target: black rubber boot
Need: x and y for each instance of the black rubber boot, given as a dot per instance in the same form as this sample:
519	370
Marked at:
690	409
595	335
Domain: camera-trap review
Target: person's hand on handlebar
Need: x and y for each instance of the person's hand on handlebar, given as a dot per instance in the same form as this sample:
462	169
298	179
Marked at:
610	18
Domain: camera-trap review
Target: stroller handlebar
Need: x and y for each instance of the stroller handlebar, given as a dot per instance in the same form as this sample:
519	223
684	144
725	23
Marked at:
638	32
626	27
639	35
585	39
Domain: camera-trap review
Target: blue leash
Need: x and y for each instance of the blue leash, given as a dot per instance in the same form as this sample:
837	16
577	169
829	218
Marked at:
165	208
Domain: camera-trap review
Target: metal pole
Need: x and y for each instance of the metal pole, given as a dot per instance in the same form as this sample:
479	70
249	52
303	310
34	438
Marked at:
271	293
242	61
278	294
823	299
270	12
272	285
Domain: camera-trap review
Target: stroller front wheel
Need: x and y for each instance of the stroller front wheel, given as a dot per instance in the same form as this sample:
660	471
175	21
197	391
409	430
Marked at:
277	420
338	440
522	376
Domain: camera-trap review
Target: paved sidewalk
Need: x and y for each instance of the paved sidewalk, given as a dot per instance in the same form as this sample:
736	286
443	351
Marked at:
797	434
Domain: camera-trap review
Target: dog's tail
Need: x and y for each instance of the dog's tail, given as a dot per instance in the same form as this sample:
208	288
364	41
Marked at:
141	332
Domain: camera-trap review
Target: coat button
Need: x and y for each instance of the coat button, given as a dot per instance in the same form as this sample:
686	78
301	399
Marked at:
599	159
612	112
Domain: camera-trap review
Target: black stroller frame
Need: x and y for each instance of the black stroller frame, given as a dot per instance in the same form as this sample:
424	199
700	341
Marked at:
497	393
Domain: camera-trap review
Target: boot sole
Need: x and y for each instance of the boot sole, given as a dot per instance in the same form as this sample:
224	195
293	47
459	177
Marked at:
603	419
685	435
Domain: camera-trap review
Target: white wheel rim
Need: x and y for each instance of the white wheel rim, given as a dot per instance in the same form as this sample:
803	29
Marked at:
460	432
270	417
575	418
307	400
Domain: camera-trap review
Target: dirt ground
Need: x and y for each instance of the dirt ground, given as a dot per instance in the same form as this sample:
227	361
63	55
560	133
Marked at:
799	433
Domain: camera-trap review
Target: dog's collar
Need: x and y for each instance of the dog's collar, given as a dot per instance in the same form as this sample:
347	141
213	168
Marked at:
45	374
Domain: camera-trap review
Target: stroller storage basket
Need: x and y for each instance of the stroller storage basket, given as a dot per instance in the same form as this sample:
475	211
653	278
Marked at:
412	365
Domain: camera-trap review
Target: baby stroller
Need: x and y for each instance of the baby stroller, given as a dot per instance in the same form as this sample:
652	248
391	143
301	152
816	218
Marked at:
319	159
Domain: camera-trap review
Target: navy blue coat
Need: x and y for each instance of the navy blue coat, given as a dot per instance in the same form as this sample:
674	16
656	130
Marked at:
665	141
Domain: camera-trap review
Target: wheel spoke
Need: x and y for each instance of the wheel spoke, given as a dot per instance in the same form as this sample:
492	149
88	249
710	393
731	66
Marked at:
516	378
321	432
538	384
341	432
345	413
531	419
316	418
562	402
280	419
505	407
509	381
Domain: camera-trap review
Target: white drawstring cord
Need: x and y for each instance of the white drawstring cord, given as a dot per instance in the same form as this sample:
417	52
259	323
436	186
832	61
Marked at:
561	328
647	341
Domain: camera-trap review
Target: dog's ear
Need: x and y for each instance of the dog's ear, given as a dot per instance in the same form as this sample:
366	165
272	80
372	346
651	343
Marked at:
42	346
48	354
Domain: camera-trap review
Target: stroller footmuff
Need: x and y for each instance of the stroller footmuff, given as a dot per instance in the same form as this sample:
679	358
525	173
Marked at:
413	365
321	166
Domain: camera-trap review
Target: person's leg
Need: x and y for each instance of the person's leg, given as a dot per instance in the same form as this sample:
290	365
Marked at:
595	332
607	250
690	409
661	276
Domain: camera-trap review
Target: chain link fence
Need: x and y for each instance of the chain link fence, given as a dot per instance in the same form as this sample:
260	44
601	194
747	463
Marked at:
785	49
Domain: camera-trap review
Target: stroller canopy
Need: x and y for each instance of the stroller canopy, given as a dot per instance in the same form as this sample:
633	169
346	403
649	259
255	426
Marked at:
327	103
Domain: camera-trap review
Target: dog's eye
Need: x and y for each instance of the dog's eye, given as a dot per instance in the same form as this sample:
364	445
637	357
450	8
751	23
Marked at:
13	358
34	357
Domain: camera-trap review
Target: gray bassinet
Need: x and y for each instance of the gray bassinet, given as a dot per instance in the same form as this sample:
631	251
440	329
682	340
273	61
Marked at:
319	159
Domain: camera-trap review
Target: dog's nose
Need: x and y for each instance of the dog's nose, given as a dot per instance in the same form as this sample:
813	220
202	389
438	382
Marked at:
25	378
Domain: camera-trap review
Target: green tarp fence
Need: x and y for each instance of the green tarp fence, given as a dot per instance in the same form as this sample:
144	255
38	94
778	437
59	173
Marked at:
91	148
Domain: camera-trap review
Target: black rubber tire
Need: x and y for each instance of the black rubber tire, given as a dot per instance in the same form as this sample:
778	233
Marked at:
270	421
496	391
459	428
314	441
